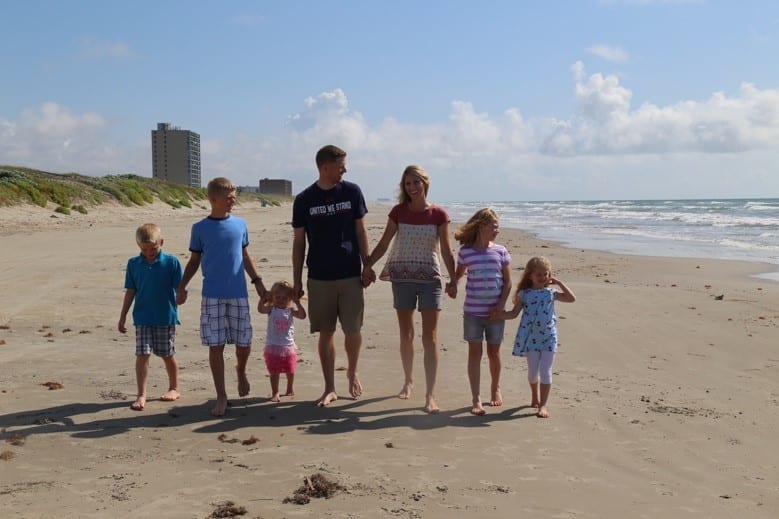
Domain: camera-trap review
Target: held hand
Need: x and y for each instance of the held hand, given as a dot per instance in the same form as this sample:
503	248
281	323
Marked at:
368	276
297	290
451	289
181	296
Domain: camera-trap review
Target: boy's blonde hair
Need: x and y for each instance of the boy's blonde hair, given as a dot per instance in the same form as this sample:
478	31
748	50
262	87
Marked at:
468	233
533	264
220	186
148	233
418	172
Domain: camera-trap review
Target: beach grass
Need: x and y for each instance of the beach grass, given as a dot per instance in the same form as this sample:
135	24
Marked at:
77	192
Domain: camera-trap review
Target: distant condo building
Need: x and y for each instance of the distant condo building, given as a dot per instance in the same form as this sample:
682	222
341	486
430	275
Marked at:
175	155
276	186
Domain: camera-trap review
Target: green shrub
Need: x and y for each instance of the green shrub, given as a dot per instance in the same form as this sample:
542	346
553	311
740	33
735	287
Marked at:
62	209
80	208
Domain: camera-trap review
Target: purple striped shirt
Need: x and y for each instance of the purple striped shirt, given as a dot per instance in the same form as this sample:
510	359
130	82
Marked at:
484	283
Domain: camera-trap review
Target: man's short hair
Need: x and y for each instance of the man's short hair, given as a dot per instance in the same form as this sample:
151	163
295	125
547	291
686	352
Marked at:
329	154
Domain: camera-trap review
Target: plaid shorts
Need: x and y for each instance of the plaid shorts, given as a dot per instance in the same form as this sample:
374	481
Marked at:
225	321
157	339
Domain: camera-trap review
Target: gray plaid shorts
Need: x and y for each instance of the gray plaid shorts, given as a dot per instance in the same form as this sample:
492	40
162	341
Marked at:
159	340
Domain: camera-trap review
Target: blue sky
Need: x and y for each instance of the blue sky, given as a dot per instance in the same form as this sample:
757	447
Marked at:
498	100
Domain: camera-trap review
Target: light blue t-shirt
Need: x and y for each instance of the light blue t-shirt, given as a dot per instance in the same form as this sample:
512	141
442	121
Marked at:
221	243
155	286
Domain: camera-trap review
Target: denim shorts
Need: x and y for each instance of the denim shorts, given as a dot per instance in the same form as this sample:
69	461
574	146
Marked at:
477	328
424	296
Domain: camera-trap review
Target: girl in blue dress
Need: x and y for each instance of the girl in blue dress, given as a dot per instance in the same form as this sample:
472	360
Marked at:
537	334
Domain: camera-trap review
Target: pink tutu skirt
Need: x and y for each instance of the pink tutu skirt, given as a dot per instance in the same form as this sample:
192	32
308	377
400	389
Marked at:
281	359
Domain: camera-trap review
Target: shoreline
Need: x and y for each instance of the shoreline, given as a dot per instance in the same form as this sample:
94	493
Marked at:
31	218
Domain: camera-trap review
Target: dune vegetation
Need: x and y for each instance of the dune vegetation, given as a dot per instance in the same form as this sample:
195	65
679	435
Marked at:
77	192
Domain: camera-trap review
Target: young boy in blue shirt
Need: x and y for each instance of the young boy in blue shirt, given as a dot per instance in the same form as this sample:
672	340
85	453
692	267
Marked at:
220	242
150	280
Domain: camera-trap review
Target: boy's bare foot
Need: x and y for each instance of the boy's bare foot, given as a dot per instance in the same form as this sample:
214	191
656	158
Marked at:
542	412
534	404
220	407
243	383
355	388
275	398
405	393
497	399
170	395
326	398
477	408
430	406
139	404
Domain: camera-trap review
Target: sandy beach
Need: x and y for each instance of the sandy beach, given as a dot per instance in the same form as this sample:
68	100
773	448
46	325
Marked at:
665	399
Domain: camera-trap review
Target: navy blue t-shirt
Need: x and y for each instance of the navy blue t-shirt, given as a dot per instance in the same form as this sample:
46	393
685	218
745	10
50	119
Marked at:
329	219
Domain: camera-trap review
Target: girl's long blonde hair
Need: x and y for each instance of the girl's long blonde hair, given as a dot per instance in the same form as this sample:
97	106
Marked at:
533	264
468	233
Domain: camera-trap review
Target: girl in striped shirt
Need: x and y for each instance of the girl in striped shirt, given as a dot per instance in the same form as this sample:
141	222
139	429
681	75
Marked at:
487	288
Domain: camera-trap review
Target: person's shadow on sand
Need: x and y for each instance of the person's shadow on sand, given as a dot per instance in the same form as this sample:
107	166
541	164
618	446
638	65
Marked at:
343	416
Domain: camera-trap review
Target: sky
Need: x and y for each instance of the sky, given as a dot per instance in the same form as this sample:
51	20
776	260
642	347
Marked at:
496	100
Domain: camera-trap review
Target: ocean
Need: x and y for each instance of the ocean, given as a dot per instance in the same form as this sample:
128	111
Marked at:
736	229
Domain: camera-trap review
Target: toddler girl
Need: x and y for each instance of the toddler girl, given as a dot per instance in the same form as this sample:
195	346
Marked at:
281	355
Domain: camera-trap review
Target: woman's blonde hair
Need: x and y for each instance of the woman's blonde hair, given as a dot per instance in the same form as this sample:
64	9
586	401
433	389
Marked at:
531	266
418	172
468	233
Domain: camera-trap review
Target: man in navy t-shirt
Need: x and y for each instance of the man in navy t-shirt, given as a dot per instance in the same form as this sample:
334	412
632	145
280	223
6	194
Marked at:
328	215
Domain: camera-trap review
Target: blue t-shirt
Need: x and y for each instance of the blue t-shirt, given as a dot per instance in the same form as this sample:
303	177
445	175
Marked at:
221	243
155	289
329	219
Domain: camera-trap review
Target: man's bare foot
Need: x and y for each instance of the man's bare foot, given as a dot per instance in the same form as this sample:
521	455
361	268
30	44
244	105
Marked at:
355	388
275	398
326	398
430	406
171	395
497	399
289	392
243	383
139	404
534	404
220	407
542	412
477	408
405	393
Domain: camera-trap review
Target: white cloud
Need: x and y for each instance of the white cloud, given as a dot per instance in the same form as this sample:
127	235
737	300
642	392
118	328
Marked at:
606	148
613	54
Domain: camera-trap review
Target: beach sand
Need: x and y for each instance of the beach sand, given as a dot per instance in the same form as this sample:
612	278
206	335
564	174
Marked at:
664	400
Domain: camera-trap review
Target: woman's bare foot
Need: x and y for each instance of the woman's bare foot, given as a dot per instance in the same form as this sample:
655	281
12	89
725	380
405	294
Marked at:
497	399
430	406
139	403
170	395
220	407
542	412
355	388
326	398
243	383
275	398
405	392
477	408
